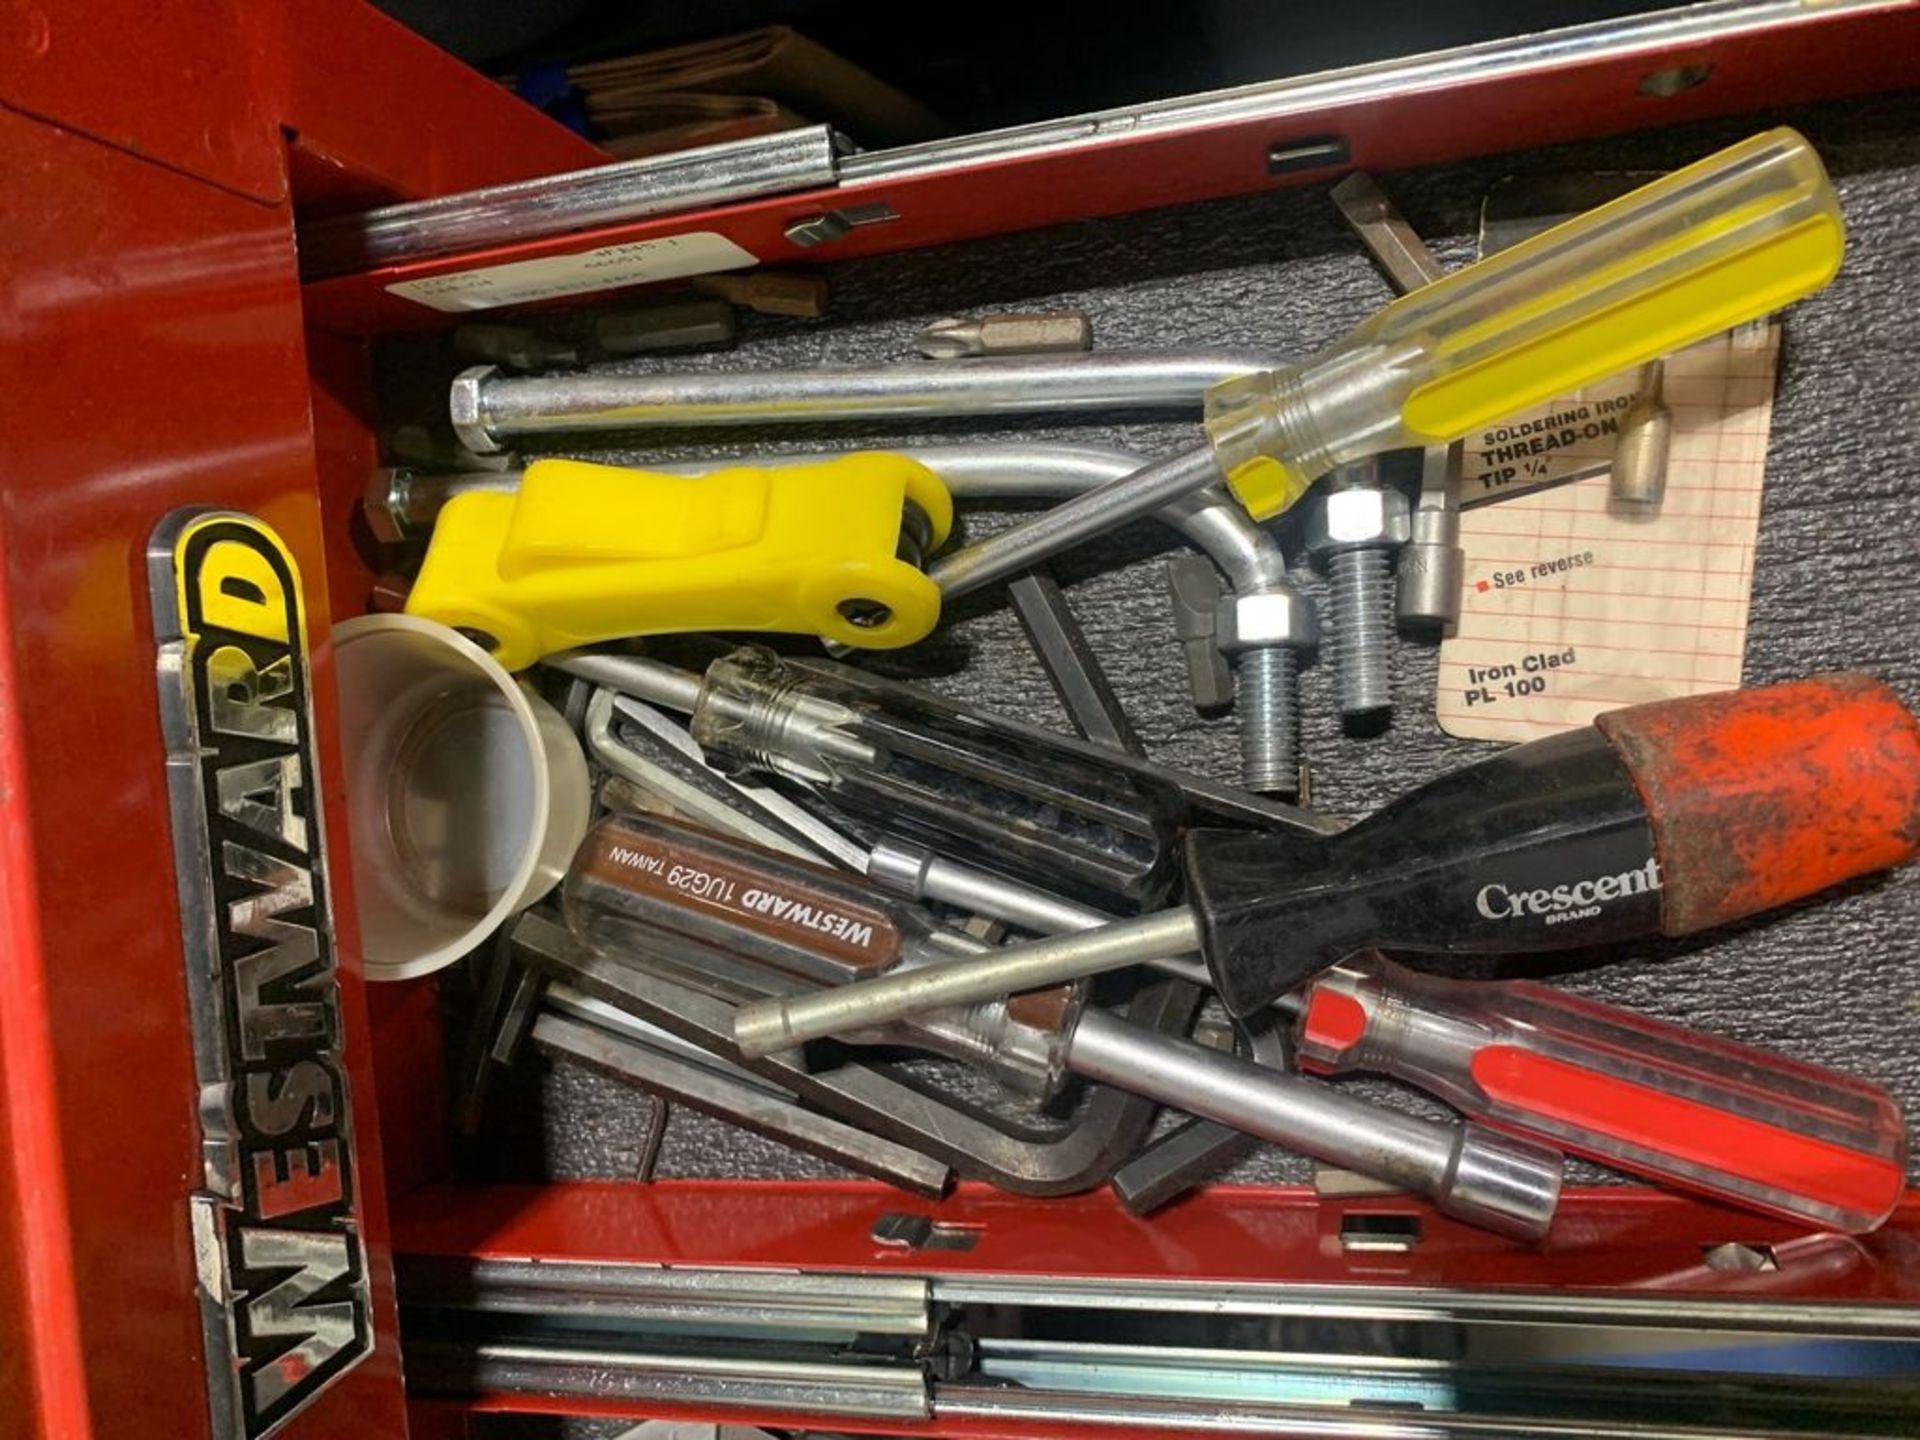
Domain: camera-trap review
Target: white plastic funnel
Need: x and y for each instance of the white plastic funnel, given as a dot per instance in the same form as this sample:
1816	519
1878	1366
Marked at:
466	793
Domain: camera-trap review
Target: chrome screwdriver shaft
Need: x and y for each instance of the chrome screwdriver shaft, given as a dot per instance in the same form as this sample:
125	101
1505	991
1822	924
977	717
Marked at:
779	1024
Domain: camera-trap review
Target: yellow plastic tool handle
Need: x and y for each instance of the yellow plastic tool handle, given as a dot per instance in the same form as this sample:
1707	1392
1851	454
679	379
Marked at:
1724	241
585	553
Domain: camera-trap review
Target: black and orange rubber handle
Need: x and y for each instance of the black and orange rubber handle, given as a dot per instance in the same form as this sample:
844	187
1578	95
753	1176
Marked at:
1660	819
1758	798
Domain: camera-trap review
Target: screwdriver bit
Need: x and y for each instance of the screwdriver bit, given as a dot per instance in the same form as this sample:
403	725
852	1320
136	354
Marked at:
1046	333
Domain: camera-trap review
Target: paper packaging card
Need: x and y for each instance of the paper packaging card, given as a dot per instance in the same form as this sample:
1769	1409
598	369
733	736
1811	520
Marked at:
1570	609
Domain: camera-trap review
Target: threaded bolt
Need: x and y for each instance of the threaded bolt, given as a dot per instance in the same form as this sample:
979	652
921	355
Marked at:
1360	627
1269	720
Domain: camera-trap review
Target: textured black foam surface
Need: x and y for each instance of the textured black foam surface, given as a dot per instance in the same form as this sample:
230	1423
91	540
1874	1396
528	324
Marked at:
1834	982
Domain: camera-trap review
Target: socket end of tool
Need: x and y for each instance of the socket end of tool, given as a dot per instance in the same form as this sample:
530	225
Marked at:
761	1028
1503	1184
465	410
1428	579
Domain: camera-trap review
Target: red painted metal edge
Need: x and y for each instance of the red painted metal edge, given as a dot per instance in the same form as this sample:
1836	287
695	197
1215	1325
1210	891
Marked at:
157	363
1821	56
156	359
93	67
374	114
368	111
47	1305
1605	1238
1619	1241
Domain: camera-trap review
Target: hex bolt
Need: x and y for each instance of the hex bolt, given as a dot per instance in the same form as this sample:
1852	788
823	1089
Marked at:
1361	606
1266	631
1269	721
384	502
1354	531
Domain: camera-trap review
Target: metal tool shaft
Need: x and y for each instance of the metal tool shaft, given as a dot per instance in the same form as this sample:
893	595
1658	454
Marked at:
1430	569
1093	513
1503	1184
1019	1158
779	1024
649	680
1066	655
487	407
522	210
918	873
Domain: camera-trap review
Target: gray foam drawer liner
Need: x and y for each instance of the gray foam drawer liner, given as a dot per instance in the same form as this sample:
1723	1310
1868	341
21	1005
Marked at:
1834	982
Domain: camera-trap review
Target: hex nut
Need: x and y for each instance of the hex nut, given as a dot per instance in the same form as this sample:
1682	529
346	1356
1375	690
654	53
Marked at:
463	408
1278	616
1364	516
385	503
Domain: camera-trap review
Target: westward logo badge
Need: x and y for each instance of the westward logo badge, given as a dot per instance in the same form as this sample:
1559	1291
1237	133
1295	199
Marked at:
282	1272
1562	903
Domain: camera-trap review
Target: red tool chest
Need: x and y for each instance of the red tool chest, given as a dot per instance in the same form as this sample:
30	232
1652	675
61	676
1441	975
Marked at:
163	352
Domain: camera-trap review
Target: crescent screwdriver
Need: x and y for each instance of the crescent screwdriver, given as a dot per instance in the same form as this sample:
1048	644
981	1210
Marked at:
1666	818
1654	1099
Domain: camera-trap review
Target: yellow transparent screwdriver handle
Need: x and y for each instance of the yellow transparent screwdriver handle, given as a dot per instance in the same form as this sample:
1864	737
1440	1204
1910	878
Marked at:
583	553
1724	241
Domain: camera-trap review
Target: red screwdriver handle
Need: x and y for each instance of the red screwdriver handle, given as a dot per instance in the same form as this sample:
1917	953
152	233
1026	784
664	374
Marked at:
1654	1099
1759	797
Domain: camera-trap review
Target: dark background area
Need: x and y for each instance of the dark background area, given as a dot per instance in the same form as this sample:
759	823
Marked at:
1001	62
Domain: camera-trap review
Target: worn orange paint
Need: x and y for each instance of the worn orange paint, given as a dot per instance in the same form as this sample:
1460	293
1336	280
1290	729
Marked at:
1760	797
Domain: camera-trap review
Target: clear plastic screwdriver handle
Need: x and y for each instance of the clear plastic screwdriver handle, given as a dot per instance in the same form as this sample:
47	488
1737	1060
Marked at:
1694	1110
1724	241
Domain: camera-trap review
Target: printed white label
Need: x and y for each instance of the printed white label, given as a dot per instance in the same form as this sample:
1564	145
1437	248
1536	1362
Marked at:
520	281
1566	902
1570	608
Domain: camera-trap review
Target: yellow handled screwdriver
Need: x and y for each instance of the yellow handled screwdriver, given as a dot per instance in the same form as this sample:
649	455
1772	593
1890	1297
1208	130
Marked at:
1724	241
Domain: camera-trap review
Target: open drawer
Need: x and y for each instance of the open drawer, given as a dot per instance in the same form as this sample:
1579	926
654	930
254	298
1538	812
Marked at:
167	354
